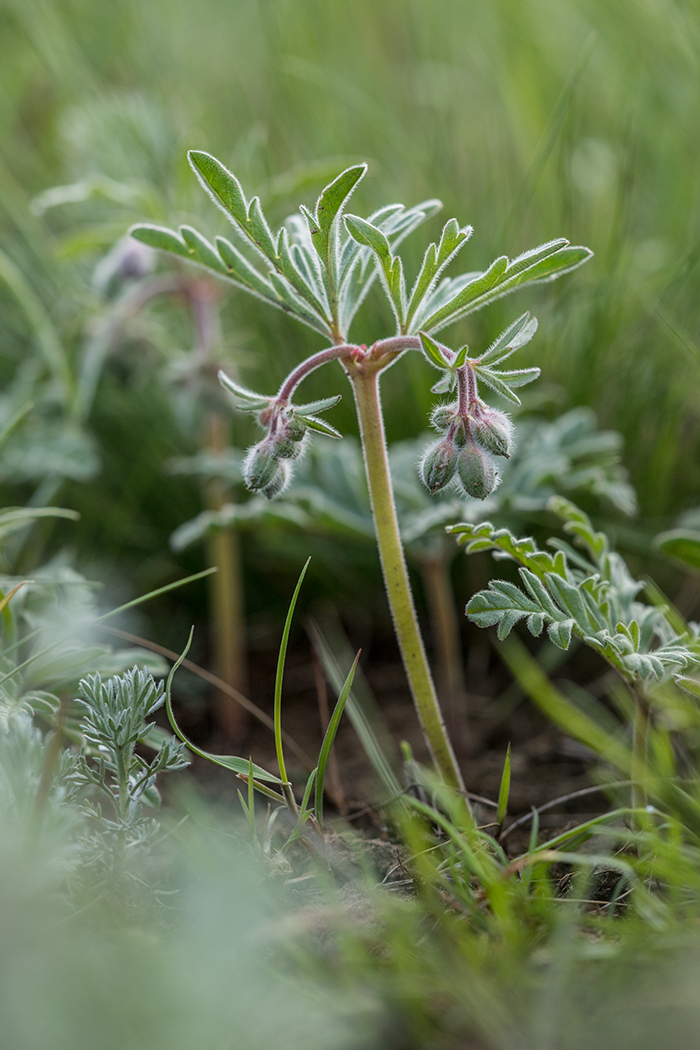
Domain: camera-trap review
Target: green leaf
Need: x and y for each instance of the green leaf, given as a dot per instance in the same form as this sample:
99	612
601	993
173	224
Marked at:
159	237
548	269
329	738
515	336
397	289
288	300
539	593
460	357
434	351
223	187
320	426
504	790
560	633
681	544
241	271
201	250
452	238
330	204
435	260
261	232
319	406
560	709
366	233
493	380
519	376
535	255
298	280
501	600
14	518
249	398
445	384
467	296
280	674
424	281
238	765
569	598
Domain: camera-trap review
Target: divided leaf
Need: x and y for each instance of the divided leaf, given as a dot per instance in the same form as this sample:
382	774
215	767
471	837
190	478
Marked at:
159	237
330	204
222	186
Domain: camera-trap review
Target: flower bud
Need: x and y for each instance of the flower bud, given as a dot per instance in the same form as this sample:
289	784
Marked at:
278	483
494	431
477	471
294	428
441	417
438	465
460	436
287	447
259	466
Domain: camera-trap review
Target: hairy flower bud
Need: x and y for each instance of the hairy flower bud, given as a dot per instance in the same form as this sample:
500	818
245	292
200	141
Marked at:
460	435
294	428
477	471
259	466
287	447
280	480
494	431
442	416
438	465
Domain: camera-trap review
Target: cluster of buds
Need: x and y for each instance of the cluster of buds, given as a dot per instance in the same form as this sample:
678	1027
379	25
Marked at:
266	468
472	436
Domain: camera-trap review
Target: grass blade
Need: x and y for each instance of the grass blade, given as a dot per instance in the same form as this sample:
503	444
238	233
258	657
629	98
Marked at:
329	739
504	790
238	765
280	674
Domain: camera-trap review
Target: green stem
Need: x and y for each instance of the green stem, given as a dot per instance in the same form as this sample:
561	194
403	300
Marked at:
365	380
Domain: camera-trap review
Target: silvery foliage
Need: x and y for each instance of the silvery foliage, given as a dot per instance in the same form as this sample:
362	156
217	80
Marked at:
588	593
115	721
319	266
89	800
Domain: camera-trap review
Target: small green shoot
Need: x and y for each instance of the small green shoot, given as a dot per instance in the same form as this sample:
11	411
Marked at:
278	691
504	790
328	740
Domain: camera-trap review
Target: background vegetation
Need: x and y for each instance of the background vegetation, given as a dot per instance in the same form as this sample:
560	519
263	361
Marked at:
530	119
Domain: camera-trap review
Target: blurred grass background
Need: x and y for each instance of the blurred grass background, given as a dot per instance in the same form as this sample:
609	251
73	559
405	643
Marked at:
530	119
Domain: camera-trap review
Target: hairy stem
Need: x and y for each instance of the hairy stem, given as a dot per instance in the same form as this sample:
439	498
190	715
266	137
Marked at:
331	353
365	382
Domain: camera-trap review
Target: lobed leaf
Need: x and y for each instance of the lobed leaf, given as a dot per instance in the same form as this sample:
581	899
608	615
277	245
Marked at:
515	336
222	186
330	204
476	288
494	380
435	352
159	237
201	250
